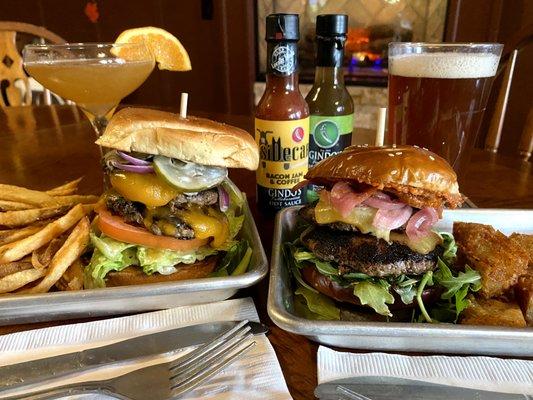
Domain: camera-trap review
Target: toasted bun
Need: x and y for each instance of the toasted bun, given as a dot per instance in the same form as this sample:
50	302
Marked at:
419	177
192	139
135	276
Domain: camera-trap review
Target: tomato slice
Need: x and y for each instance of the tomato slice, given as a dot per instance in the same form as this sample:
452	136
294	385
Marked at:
116	228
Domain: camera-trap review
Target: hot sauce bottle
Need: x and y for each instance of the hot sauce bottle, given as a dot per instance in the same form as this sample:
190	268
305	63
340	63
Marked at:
330	104
281	120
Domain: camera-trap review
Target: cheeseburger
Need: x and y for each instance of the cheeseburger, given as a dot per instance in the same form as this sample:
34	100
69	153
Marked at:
369	240
170	213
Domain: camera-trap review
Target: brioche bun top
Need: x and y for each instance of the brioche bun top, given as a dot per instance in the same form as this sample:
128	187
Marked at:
418	176
191	139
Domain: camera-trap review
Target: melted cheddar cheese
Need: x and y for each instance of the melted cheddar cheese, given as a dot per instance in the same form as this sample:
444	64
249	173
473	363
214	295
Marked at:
214	225
148	189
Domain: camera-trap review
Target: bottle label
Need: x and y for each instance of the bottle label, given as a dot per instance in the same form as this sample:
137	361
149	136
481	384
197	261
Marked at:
283	161
329	136
282	58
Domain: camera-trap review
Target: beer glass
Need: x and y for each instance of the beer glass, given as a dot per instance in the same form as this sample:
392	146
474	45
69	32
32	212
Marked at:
438	93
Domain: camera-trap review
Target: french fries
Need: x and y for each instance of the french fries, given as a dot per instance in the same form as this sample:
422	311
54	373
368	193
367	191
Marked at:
7	205
66	189
65	256
25	217
28	196
19	279
45	234
17	250
12	235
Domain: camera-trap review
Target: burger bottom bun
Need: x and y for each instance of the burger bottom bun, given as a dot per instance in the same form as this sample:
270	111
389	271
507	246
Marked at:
134	275
345	294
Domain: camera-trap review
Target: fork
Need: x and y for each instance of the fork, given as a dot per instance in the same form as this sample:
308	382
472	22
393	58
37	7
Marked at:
166	380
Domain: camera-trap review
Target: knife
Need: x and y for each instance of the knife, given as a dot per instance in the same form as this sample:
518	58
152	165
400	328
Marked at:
386	388
37	371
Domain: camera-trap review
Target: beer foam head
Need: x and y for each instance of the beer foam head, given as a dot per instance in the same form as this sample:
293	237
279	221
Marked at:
444	65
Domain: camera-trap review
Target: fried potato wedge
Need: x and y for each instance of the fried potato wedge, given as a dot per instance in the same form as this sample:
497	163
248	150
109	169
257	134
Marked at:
526	243
28	196
6	205
68	188
493	312
72	279
68	253
25	217
498	259
11	235
523	292
19	279
17	250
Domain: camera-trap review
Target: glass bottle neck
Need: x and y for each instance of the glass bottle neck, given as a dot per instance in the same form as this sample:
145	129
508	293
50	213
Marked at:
329	75
282	82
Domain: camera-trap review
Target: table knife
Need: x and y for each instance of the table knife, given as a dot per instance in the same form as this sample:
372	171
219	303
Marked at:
386	388
37	371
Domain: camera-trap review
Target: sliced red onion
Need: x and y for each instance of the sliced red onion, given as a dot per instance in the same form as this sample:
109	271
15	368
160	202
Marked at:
132	160
421	222
140	169
383	202
392	219
223	198
344	198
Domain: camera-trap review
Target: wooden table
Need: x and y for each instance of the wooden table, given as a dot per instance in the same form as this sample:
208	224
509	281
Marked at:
41	147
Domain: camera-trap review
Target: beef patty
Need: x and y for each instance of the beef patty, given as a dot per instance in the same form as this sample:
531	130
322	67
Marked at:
134	212
356	252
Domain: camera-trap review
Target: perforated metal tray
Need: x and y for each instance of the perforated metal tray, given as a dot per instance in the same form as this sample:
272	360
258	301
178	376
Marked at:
395	336
16	309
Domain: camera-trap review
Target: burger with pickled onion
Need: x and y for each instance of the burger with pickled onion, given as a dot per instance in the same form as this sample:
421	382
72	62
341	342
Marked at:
370	242
171	212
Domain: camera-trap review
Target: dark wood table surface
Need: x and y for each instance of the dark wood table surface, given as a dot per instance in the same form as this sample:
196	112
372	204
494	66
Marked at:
41	147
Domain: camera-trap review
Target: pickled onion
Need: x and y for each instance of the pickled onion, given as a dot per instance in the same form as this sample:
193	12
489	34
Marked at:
421	222
383	202
392	218
344	198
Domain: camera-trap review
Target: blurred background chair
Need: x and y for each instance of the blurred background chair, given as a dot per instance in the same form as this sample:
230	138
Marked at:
523	145
16	88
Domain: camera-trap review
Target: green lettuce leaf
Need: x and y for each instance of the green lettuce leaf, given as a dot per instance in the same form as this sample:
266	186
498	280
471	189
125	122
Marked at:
110	248
100	266
320	306
374	295
236	260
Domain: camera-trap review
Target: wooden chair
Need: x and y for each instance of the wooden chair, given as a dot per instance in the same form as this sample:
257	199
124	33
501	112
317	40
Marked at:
493	138
15	89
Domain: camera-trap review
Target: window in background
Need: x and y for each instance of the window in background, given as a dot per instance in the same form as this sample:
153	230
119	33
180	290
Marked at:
372	25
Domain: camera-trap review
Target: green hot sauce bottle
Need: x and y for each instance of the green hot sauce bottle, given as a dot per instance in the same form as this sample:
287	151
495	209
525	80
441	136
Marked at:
330	104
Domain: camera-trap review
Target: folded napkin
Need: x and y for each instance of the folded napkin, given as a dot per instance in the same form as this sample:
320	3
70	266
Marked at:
257	375
482	373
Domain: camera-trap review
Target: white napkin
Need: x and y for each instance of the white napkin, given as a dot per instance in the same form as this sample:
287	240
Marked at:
483	373
257	375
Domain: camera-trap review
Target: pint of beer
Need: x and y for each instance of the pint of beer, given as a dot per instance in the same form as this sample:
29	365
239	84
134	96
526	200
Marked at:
437	95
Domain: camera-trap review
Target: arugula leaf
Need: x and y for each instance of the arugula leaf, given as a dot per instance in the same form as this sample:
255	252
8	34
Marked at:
289	249
427	279
450	248
320	306
375	296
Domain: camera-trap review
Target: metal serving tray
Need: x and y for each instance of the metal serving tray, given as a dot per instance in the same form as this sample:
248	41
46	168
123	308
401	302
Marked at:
15	309
389	336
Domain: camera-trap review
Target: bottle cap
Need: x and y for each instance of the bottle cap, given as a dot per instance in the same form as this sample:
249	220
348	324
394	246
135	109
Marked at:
331	24
282	27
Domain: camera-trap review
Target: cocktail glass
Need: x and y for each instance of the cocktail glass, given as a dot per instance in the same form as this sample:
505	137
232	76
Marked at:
96	76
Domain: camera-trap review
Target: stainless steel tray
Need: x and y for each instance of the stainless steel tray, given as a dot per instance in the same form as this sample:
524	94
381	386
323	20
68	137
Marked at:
442	338
15	309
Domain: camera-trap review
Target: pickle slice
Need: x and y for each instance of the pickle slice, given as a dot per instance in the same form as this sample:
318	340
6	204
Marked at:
188	176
